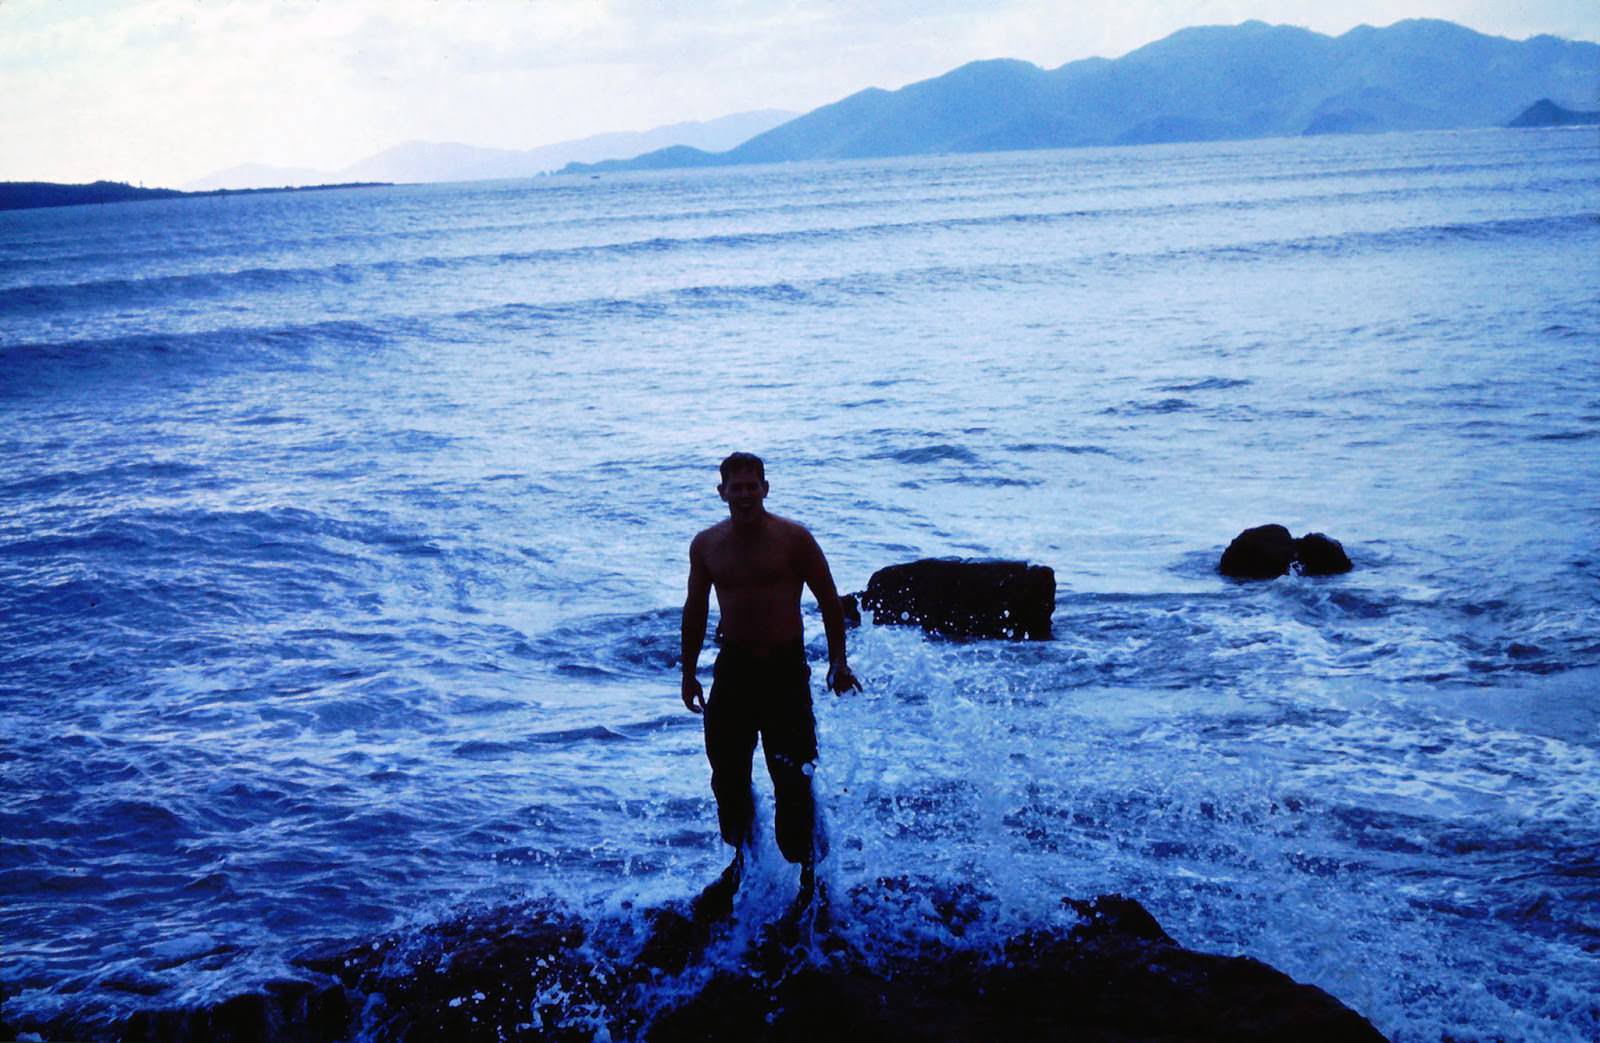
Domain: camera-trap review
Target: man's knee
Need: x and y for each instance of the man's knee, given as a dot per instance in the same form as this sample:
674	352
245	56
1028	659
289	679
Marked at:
791	770
732	788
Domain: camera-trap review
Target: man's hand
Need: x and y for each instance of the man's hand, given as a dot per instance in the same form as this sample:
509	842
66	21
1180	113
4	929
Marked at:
841	680
694	696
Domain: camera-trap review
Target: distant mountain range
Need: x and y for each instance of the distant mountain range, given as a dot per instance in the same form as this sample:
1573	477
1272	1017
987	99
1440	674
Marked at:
1209	83
419	161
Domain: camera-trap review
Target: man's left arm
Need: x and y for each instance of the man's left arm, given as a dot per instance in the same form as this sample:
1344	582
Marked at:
820	579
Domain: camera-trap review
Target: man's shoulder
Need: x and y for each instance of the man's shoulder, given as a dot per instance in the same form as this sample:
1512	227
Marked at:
710	534
790	529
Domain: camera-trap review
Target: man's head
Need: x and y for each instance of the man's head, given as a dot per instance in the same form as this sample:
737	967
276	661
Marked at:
743	485
743	461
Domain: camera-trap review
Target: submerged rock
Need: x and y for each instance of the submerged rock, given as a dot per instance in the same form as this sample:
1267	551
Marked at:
1268	551
536	972
964	598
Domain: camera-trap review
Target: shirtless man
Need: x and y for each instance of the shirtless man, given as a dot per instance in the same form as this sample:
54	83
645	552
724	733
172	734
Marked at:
761	684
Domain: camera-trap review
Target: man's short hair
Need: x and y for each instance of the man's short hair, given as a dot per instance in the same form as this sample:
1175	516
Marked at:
741	462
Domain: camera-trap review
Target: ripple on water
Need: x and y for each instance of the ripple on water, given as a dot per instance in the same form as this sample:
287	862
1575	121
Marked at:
928	454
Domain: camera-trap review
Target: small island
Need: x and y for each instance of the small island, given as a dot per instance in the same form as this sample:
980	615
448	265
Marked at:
1546	113
25	195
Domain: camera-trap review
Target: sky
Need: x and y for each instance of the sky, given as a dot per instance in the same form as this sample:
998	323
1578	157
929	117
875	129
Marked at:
162	92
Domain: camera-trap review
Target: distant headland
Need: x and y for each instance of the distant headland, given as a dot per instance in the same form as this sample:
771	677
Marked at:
26	195
1546	113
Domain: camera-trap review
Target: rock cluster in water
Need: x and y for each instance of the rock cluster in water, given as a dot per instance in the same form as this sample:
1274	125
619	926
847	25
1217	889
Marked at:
537	972
962	598
1269	551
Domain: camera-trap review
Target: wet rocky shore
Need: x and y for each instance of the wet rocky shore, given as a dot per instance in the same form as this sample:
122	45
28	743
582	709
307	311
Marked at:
692	971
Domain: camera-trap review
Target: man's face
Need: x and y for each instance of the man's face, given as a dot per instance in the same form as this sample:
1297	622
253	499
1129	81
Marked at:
743	492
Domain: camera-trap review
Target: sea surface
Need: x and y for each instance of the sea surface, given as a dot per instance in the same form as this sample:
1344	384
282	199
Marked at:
343	537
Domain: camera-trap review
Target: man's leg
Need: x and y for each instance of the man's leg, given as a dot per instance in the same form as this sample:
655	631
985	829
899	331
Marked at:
789	740
730	744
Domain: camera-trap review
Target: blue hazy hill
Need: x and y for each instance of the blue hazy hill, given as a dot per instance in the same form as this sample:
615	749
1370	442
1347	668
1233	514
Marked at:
1546	113
1204	83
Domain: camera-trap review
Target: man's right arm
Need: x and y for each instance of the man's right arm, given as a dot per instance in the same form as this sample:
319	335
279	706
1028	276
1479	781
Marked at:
820	579
696	608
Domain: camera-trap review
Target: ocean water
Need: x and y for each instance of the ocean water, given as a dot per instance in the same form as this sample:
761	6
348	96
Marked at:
343	536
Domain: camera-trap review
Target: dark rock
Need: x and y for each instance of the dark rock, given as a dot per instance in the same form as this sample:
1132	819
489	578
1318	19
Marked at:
810	1003
1111	915
1263	552
534	972
964	598
328	1014
1321	555
675	936
852	610
502	974
285	1011
1111	985
243	1019
1120	977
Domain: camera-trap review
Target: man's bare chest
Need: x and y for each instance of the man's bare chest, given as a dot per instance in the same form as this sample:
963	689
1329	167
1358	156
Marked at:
750	565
